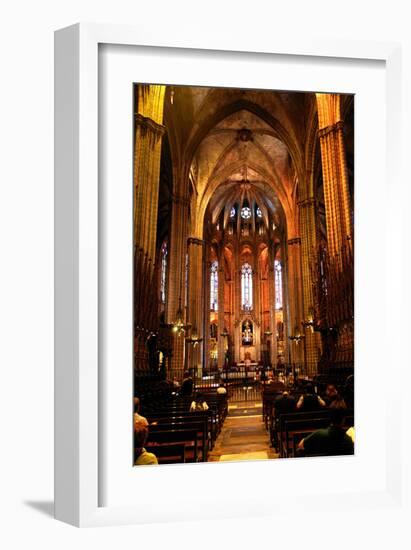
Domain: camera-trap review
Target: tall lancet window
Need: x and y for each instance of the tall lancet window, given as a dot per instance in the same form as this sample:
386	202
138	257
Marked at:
247	287
278	282
163	275
214	286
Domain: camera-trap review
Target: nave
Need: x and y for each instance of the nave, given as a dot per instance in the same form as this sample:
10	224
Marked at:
243	436
243	296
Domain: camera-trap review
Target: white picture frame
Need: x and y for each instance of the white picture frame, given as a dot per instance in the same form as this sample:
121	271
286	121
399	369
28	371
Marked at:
77	227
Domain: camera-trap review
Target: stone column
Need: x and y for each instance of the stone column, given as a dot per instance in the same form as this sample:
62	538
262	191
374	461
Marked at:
258	329
338	221
271	299
147	155
308	251
286	303
176	290
196	296
335	177
295	296
221	307
148	113
237	306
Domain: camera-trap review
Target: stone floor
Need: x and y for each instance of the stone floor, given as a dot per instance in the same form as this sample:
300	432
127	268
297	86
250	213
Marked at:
243	436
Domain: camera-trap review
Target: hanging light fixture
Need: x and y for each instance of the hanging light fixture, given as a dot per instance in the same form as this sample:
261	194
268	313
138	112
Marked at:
178	326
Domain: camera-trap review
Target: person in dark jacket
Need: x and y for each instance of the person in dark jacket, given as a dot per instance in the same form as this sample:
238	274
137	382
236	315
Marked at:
310	401
284	404
331	441
187	385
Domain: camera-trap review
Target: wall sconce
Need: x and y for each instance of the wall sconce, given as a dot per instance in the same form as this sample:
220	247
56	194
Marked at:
297	336
309	323
194	339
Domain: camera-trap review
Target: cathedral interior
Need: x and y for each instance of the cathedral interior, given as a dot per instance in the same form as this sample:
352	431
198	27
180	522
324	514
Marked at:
243	242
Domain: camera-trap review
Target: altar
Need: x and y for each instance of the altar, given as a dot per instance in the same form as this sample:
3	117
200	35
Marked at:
251	365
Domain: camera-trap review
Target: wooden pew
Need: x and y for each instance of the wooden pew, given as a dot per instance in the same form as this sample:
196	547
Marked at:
306	422
170	416
168	454
295	430
184	424
189	438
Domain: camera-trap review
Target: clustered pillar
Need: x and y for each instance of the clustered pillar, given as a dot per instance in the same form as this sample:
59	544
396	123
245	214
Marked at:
308	248
336	191
339	224
149	129
147	156
195	298
176	288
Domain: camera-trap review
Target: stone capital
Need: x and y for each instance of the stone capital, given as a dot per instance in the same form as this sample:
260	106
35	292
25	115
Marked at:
330	129
194	240
149	124
311	201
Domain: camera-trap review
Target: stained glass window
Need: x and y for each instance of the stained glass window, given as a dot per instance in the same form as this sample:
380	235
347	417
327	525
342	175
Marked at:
246	287
163	274
246	213
259	213
278	280
214	286
232	212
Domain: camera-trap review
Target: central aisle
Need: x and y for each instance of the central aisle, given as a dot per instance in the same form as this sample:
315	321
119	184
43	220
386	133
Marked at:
243	436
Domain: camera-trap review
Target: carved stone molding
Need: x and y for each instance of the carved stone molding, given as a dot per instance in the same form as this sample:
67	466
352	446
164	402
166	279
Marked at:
149	124
311	201
244	134
329	129
295	240
194	240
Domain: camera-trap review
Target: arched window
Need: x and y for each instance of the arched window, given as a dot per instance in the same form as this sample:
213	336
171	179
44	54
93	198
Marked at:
246	287
232	212
163	274
278	281
214	286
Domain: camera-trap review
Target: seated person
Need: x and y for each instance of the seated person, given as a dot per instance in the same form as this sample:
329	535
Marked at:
221	390
142	457
338	403
310	401
331	441
187	385
199	404
351	433
331	393
284	404
137	415
176	384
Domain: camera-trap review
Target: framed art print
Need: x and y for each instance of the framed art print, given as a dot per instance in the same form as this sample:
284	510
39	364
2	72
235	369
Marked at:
216	311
